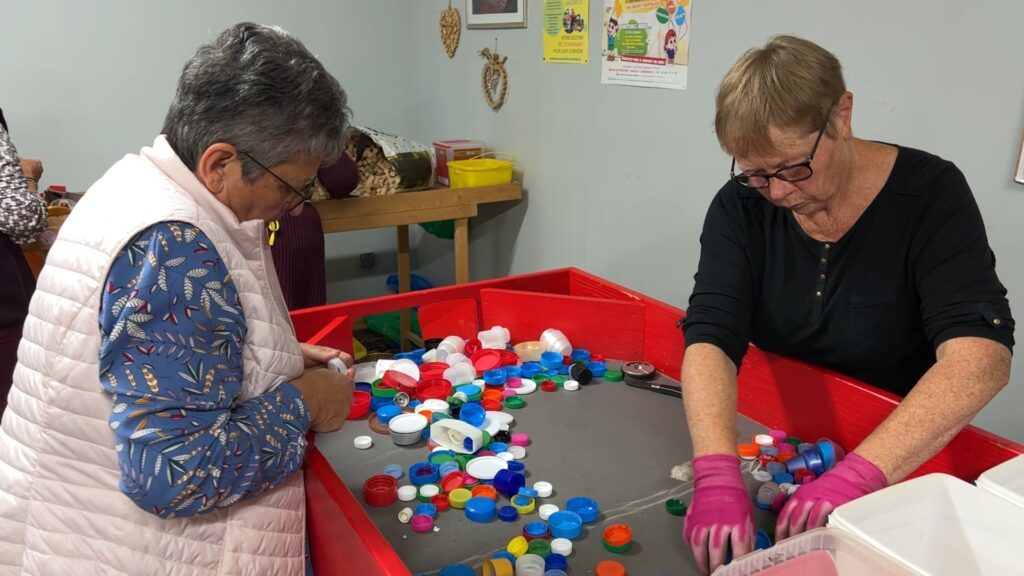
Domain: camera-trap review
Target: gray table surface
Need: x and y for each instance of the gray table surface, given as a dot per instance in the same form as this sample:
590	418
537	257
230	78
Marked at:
608	441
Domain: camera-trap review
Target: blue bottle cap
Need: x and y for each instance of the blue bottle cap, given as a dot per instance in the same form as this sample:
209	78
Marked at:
480	509
447	468
508	514
394	470
512	371
774	468
428	509
386	413
536	529
555	561
769	451
469	390
783	478
494	377
413	404
598	369
422	473
551	360
508	482
587	508
378	402
506	555
524	491
762	541
457	570
365	387
516	466
814	462
564	369
565	524
497	447
528	371
472	413
796	463
828	453
580	355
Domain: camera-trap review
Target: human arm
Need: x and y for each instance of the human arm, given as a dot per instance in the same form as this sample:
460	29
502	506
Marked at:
966	316
172	331
717	330
22	212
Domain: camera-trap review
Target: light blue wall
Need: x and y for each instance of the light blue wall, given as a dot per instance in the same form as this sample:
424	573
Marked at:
617	178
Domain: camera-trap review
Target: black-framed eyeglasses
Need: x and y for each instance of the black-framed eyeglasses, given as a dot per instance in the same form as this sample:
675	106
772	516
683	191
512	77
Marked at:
305	194
791	173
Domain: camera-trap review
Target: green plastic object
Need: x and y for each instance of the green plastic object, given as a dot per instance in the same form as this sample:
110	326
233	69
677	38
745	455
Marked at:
443	229
514	402
617	549
389	324
540	547
613	376
675	507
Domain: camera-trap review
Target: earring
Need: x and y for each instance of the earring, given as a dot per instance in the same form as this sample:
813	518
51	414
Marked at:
273	226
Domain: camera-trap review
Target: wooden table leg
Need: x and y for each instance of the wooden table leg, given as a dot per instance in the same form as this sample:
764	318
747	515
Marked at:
404	284
461	250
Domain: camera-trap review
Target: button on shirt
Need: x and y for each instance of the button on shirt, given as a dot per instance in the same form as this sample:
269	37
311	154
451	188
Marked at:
914	271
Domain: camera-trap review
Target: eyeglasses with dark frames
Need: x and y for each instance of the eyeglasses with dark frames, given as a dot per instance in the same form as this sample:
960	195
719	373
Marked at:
791	173
304	195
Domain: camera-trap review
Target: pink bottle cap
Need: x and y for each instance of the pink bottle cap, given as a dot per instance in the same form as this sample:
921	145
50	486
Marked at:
520	439
422	523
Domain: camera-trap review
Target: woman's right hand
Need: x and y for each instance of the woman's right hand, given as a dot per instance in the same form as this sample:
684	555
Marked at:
328	397
720	512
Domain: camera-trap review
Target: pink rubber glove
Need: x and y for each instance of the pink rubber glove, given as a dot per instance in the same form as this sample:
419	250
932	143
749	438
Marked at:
720	512
811	504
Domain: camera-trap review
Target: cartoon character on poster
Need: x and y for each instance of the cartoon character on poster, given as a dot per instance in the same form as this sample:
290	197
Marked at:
672	17
612	30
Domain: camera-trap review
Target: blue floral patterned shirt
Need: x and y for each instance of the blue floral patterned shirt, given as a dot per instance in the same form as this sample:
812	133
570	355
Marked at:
171	355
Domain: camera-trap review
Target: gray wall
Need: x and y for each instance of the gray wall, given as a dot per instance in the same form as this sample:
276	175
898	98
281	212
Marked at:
617	178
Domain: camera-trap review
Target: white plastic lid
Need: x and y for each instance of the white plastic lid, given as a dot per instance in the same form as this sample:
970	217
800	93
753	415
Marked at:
407	423
546	510
518	452
434	405
506	456
764	440
571	385
526	386
561	546
500	417
485	467
429	490
362	442
544	489
407	492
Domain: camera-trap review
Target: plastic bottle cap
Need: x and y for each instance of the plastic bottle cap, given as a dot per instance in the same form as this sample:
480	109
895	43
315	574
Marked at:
518	546
506	456
587	508
529	564
618	535
380	490
764	440
571	386
498	567
405	515
609	568
480	509
761	475
362	442
458	498
520	439
748	451
514	402
486	467
427	509
518	452
529	492
544	489
561	546
407	493
508	514
422	523
675	507
526	386
546	510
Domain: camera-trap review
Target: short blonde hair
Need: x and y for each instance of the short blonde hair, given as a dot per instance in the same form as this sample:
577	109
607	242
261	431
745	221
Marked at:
789	84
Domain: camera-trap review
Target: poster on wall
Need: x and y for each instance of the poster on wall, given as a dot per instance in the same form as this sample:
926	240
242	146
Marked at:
647	43
566	30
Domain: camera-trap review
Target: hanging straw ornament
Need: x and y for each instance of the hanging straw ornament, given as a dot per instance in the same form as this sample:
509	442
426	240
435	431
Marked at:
451	29
494	78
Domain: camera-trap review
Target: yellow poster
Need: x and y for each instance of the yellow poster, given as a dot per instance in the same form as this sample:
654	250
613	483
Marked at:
566	29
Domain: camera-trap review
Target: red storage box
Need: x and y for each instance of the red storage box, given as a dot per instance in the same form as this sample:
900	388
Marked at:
448	150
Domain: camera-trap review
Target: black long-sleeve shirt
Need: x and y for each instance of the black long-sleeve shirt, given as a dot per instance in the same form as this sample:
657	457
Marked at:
913	271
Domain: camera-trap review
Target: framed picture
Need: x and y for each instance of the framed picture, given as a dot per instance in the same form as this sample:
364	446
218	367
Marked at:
496	13
1019	175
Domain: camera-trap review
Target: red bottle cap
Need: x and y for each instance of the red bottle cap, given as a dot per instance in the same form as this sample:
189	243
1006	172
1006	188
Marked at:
380	490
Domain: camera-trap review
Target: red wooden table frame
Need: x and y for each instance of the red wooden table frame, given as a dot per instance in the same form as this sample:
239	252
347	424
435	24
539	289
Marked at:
619	323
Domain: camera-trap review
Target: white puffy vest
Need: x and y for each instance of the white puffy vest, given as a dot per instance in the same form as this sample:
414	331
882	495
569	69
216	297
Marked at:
61	511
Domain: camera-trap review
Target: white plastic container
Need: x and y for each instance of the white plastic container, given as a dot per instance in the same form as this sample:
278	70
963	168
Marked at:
555	341
448	346
938	525
460	374
456	358
818	552
494	339
1005	481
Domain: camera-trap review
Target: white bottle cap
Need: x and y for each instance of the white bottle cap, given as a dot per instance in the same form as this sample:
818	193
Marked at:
429	490
518	452
506	456
571	385
407	492
405	515
546	510
544	489
362	442
561	546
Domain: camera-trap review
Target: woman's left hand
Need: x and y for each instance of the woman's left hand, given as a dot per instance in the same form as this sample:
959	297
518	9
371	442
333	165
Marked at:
810	505
315	355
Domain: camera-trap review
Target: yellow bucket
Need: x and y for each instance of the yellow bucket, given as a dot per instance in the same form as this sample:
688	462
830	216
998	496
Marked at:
479	172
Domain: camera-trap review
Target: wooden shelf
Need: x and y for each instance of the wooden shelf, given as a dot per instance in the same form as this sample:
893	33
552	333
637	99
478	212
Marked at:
411	207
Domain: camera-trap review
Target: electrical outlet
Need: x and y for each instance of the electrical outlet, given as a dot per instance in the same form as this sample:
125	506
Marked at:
367	260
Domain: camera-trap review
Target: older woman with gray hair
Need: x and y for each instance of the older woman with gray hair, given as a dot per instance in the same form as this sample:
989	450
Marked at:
864	257
158	419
